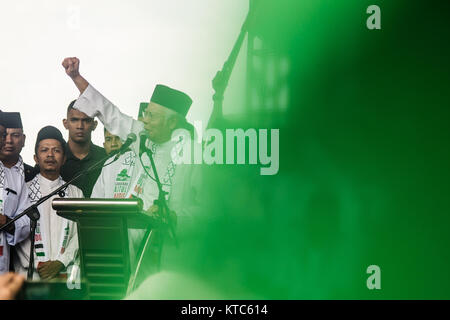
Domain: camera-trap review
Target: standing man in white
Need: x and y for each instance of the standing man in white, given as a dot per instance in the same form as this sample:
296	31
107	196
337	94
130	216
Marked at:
13	201
56	239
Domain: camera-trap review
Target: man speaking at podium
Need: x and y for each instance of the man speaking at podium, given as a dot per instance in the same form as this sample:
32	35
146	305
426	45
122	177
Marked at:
164	114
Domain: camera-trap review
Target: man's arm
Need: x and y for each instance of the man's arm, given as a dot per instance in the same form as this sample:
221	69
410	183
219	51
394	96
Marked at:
94	104
22	225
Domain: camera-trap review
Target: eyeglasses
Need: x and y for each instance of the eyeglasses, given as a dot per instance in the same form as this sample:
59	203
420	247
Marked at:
151	115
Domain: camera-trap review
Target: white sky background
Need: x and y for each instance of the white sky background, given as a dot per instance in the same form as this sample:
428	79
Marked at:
125	48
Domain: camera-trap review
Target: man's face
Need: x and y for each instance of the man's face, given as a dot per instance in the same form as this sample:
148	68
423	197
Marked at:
14	142
80	126
111	143
50	156
156	124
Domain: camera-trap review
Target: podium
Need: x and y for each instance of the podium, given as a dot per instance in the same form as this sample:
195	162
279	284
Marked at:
103	241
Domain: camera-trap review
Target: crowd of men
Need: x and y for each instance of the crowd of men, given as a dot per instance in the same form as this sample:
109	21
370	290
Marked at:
57	162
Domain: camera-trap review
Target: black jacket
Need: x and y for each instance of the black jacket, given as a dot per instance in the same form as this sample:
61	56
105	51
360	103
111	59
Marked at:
30	172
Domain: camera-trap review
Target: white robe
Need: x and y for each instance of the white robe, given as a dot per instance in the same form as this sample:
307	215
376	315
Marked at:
13	205
51	226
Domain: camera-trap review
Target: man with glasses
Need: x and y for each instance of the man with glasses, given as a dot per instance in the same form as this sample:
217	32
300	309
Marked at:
164	114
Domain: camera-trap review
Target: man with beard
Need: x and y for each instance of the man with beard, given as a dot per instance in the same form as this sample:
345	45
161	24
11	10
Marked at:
56	238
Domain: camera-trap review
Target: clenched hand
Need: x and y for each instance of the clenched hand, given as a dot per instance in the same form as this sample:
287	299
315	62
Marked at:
72	67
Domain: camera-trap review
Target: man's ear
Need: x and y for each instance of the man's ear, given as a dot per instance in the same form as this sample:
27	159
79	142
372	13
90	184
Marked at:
95	125
173	123
65	123
24	138
64	159
36	159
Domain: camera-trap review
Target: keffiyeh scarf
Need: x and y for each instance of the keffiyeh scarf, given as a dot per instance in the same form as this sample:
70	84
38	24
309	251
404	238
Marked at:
34	193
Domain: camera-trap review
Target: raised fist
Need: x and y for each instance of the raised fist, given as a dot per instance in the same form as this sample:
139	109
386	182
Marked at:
72	65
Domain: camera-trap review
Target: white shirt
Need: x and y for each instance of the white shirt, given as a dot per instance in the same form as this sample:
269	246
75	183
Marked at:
51	229
13	205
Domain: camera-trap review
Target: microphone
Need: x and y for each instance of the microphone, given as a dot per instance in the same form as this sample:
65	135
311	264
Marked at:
130	139
143	136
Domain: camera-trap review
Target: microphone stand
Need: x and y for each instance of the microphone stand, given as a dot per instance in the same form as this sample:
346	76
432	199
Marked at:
33	213
161	197
149	236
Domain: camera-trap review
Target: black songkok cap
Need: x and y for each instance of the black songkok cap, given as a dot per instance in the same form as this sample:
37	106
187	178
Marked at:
142	107
50	132
171	99
12	120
